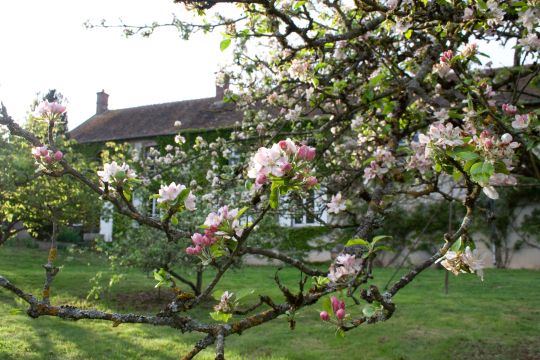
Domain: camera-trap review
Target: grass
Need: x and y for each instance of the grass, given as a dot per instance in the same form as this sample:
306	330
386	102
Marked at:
496	319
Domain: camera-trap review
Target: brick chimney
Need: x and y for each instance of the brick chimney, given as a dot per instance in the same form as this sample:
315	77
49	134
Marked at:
220	89
102	103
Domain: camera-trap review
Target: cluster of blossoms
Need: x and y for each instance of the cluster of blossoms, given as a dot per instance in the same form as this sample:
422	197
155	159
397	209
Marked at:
382	163
338	308
466	261
46	157
521	121
219	227
283	160
443	67
344	266
116	174
49	110
168	194
336	204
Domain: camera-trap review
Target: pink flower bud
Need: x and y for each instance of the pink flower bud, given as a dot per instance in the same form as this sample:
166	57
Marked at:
509	109
283	145
324	316
306	153
340	314
446	56
484	134
43	151
48	159
335	303
58	155
286	167
261	179
311	181
197	239
488	144
193	250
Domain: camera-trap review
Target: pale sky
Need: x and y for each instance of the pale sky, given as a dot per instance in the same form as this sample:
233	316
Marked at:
44	45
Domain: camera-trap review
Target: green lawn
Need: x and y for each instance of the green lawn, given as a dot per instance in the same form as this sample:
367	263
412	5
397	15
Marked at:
496	319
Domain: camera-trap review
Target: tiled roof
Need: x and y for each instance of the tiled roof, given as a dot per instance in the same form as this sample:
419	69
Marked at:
154	120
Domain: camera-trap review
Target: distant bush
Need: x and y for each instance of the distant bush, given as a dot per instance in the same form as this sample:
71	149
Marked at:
69	235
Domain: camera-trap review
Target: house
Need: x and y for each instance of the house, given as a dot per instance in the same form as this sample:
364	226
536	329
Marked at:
141	126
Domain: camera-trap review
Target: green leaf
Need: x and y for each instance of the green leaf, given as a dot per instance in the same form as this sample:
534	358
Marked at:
274	195
378	238
183	195
327	305
457	246
174	220
224	44
244	293
408	34
466	155
382	248
358	241
340	333
456	175
216	251
482	171
220	316
127	194
241	212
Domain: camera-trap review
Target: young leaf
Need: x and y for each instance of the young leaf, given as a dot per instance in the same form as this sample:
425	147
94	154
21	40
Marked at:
378	238
224	44
219	316
353	242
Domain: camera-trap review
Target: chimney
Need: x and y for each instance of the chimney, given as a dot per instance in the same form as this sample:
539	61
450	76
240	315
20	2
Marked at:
102	103
223	85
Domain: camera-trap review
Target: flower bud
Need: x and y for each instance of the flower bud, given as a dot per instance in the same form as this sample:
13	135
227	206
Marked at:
43	151
261	179
283	144
340	314
335	303
324	316
193	250
58	155
48	159
506	138
286	167
311	181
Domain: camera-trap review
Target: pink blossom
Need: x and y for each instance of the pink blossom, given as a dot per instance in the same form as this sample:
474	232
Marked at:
521	121
509	109
46	108
340	314
441	69
48	159
336	204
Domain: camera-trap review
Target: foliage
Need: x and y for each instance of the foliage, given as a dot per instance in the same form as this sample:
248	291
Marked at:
375	105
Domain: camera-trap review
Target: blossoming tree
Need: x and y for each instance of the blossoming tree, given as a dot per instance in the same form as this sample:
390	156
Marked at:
374	103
